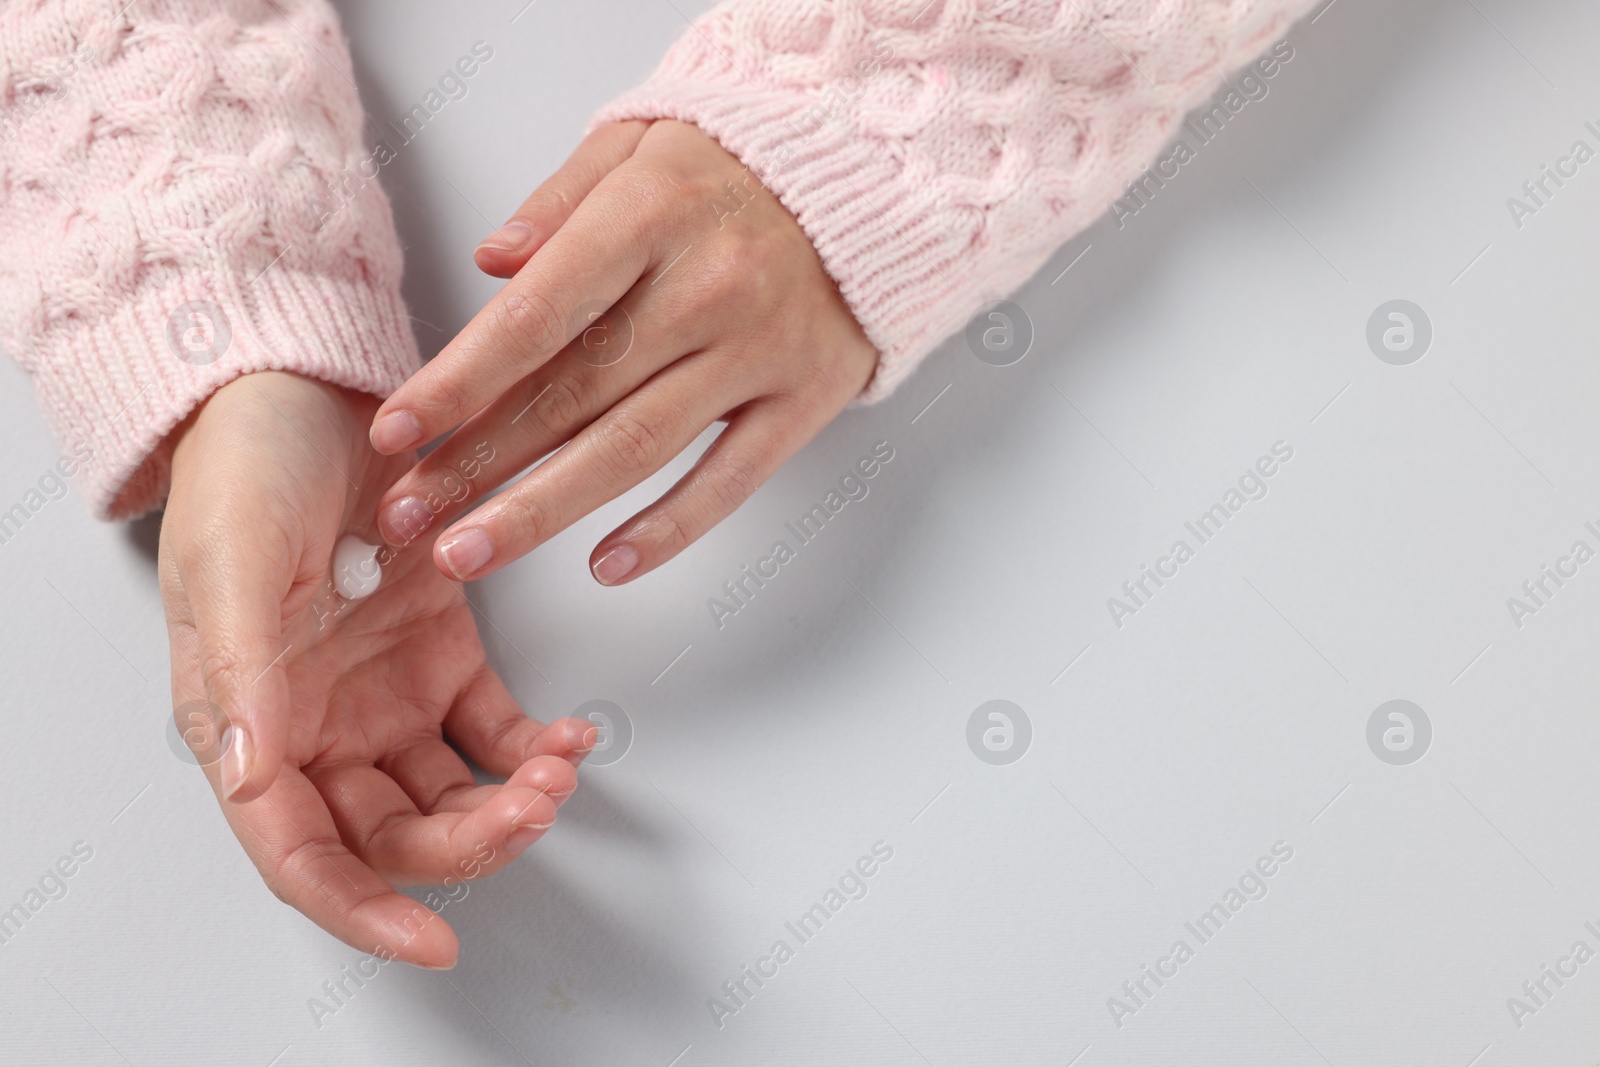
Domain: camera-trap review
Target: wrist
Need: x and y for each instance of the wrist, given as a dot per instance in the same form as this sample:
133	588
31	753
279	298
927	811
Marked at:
252	410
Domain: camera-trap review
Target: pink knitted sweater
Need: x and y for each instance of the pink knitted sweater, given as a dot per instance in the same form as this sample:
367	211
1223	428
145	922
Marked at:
176	178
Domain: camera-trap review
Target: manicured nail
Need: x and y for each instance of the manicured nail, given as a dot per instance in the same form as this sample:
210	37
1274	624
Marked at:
235	760
405	520
467	553
616	565
396	432
523	836
512	237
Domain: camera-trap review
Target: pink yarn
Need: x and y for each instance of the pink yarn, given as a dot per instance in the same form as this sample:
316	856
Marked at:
165	186
167	167
937	153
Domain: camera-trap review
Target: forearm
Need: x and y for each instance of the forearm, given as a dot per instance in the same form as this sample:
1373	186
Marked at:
937	154
183	205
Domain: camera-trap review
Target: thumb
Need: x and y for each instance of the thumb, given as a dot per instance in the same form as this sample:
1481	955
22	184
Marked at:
236	597
505	251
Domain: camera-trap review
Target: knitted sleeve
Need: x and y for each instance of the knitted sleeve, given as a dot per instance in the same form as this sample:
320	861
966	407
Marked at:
937	152
184	198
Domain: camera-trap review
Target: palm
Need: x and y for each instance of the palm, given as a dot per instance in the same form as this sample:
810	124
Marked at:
355	700
387	671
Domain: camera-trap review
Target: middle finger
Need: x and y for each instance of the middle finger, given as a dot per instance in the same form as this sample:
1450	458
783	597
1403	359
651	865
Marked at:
616	353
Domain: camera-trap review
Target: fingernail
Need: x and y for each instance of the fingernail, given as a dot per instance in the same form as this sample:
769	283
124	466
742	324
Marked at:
616	565
591	737
511	237
395	432
467	552
523	836
405	520
235	760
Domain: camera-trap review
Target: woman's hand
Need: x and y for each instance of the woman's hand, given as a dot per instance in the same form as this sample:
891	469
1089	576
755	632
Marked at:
331	764
658	288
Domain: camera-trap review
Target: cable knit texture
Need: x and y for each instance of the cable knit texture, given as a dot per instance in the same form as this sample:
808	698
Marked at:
938	151
168	219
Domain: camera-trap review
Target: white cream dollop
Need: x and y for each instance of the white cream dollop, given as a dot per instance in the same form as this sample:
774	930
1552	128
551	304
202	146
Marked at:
356	571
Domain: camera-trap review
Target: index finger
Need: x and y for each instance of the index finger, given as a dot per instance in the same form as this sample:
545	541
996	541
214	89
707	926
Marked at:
585	268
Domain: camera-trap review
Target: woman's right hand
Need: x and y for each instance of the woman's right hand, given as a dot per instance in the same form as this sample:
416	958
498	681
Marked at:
335	773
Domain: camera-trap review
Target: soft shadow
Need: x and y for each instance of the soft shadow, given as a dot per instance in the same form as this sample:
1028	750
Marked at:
145	535
1341	77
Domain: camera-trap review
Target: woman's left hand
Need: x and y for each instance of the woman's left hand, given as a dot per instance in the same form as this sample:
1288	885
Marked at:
336	774
656	288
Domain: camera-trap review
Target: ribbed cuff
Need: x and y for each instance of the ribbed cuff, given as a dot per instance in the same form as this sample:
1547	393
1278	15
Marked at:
119	385
917	238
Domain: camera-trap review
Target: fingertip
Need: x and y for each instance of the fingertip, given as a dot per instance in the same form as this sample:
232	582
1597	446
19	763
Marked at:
498	263
529	808
395	432
464	553
440	958
251	745
571	739
534	813
551	775
410	932
403	520
516	237
506	251
246	775
615	565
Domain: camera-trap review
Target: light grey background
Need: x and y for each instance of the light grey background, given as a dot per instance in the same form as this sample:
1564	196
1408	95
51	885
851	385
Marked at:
831	713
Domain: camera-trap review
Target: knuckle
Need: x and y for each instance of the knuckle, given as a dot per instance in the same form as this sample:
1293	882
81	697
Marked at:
650	190
745	263
551	203
500	738
564	403
825	380
290	873
529	524
733	482
652	202
451	401
533	321
632	444
670	533
222	668
748	256
445	402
